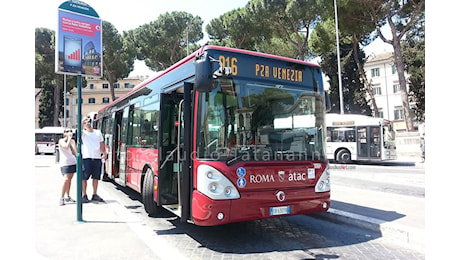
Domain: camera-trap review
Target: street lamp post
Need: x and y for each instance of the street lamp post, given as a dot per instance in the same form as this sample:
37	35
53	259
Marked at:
338	57
186	29
65	101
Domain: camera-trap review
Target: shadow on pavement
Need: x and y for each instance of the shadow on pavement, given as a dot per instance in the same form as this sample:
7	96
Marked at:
366	211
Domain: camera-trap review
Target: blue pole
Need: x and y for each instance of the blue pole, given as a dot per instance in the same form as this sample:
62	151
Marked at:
79	157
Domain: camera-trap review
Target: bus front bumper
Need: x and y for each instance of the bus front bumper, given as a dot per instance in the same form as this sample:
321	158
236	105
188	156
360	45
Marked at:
257	205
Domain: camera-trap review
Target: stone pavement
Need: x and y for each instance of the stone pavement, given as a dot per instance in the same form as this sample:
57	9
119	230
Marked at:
60	236
106	231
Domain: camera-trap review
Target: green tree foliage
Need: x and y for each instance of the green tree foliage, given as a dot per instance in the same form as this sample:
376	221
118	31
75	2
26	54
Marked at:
46	108
289	20
280	27
401	16
168	39
44	55
354	96
235	29
278	46
45	77
355	29
323	39
414	59
118	56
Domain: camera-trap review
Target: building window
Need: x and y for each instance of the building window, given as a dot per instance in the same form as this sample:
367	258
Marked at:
393	69
376	90
396	88
380	113
375	72
91	101
105	85
116	85
91	86
399	115
129	85
105	100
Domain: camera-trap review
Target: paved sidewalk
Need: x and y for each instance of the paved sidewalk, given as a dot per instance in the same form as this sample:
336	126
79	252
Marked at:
59	235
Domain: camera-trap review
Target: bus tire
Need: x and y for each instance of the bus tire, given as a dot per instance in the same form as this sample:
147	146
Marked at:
150	205
343	156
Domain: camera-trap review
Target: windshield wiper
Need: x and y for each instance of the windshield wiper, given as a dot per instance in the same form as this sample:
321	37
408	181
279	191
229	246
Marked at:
240	154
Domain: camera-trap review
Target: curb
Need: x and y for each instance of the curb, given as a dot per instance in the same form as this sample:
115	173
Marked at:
409	237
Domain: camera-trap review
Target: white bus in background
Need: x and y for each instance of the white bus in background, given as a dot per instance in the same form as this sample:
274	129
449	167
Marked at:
359	138
46	139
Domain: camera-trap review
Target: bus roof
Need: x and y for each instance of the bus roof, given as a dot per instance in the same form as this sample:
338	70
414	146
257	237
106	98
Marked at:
50	130
254	53
333	119
199	52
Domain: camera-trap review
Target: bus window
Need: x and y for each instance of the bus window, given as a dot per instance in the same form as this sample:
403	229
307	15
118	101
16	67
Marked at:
136	138
341	134
149	124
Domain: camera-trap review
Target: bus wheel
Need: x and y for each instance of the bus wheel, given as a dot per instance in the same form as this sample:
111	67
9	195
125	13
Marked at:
343	156
150	205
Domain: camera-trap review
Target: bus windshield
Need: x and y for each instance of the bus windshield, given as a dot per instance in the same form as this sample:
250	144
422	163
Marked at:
257	121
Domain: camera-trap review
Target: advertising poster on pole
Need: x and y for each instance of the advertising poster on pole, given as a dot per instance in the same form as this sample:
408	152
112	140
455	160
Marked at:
78	40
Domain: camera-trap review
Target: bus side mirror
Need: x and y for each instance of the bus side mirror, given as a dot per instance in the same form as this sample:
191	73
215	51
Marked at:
203	74
327	101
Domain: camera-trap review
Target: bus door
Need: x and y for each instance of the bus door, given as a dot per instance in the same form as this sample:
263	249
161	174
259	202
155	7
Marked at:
369	142
375	142
121	124
363	142
174	173
109	146
107	129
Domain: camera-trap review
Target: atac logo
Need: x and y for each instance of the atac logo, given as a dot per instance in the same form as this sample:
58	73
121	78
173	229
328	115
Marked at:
293	176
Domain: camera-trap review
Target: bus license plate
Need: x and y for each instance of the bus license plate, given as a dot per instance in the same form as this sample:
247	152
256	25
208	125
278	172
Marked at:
280	210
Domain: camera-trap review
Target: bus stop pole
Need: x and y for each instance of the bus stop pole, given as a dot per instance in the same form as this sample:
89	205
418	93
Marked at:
79	157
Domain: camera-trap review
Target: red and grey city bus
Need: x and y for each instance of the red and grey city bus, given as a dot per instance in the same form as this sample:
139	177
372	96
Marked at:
224	135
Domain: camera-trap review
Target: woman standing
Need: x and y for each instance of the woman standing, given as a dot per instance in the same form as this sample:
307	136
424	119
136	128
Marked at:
68	163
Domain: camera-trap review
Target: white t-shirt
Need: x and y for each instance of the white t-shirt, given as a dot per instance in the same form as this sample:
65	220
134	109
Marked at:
66	157
91	143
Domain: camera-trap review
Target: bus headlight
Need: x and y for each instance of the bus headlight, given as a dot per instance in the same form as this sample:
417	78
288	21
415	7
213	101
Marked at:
323	183
214	184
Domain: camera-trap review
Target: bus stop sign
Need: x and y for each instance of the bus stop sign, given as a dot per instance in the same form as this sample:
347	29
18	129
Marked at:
79	40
